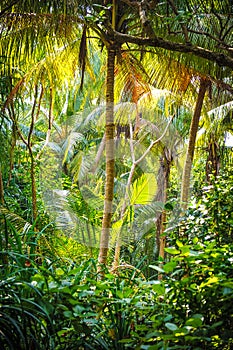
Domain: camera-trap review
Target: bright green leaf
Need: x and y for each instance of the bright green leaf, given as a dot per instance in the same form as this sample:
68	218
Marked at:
172	250
170	266
143	189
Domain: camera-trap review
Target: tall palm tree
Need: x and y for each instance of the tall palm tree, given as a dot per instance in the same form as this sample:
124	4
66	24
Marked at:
110	157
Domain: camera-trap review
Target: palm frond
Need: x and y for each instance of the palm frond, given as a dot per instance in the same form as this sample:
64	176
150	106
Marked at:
70	143
17	221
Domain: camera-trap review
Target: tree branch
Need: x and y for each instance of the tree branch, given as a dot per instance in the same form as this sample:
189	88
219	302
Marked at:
221	59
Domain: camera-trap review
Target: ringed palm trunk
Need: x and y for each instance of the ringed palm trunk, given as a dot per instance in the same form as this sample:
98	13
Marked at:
191	145
163	184
110	161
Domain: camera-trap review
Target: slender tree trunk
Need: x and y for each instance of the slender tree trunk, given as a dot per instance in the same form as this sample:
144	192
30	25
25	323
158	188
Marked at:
191	145
123	211
11	155
33	186
163	183
4	259
110	161
1	188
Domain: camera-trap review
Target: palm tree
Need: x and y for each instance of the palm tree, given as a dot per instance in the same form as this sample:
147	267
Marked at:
110	158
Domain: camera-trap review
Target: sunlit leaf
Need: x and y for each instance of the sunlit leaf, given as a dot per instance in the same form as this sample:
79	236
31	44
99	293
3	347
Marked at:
143	189
172	250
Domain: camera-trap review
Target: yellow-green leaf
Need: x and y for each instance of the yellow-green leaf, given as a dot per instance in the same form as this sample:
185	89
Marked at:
143	189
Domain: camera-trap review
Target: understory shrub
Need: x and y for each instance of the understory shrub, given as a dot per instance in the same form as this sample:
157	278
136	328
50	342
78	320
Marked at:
70	307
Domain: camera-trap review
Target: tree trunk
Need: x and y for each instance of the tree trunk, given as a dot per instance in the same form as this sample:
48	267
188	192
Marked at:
33	186
11	155
191	145
110	161
1	188
123	211
213	160
163	182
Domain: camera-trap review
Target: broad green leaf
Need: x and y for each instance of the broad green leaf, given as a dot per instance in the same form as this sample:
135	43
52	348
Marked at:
170	266
172	250
153	334
143	189
171	326
124	341
168	206
53	285
159	288
194	322
78	309
228	284
227	291
168	318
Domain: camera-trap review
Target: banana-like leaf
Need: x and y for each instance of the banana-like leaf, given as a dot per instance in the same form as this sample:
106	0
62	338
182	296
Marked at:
143	189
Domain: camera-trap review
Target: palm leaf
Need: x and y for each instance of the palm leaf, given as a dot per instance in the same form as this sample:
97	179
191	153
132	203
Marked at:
143	189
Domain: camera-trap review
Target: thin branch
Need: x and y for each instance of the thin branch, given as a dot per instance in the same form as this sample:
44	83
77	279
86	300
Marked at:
51	118
131	142
39	102
13	118
32	117
202	33
155	142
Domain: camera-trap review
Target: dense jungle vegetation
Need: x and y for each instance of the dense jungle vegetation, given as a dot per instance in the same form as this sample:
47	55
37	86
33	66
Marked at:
116	177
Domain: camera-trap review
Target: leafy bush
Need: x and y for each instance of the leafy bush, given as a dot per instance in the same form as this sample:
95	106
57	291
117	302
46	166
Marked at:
66	306
196	308
210	215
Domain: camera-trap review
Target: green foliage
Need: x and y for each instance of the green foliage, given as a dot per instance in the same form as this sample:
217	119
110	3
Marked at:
199	293
210	215
65	305
24	322
51	296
